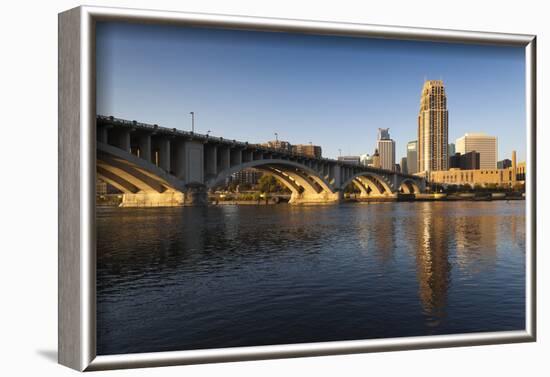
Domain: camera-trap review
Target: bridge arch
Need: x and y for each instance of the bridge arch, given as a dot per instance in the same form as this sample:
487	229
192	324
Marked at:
142	183
305	183
370	183
409	186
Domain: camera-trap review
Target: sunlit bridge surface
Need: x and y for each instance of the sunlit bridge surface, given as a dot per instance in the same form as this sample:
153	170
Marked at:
225	276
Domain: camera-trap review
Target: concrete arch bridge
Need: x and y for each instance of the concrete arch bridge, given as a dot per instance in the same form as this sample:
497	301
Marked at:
157	166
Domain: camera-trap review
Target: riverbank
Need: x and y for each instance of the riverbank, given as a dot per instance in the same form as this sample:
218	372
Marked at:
467	196
114	200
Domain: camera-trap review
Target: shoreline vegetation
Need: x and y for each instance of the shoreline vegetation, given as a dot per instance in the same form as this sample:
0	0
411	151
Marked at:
257	198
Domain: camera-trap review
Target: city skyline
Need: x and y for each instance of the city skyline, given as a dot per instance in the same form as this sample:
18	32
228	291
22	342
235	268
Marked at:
331	91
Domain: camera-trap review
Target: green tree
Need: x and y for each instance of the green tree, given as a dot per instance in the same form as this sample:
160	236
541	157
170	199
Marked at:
493	186
478	187
519	187
232	186
268	183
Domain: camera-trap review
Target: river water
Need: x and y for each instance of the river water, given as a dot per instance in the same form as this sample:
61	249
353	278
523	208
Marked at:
224	276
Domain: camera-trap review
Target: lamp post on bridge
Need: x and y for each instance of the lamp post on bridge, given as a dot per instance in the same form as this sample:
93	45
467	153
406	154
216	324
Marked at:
192	121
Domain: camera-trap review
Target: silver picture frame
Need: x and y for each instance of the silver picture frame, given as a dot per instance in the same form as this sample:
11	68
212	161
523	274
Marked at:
77	253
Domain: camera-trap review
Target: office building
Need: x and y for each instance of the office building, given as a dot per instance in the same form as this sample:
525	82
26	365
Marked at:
365	159
412	157
376	159
433	126
451	150
397	168
467	161
506	177
309	150
279	144
386	149
249	176
383	133
350	159
484	144
503	177
100	187
503	164
404	167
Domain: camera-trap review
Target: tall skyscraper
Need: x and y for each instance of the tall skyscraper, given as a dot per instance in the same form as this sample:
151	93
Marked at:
451	150
484	144
412	157
386	149
383	133
433	127
404	166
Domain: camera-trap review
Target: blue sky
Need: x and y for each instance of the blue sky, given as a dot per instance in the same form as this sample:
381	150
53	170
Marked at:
332	91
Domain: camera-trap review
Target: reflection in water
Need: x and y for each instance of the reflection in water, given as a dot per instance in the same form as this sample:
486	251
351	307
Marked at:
190	278
432	262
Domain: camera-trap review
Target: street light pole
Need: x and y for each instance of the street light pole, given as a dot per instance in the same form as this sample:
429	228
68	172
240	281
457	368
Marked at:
192	121
276	136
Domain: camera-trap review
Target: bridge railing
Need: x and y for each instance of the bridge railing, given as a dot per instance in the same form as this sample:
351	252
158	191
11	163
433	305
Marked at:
205	137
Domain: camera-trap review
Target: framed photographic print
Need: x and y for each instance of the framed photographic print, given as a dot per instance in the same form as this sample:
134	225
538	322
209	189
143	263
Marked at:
236	188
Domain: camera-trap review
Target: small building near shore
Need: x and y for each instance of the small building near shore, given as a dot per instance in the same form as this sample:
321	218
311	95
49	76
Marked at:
483	177
506	177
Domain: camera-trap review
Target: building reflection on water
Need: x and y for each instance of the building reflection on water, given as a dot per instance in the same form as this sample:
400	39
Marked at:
433	269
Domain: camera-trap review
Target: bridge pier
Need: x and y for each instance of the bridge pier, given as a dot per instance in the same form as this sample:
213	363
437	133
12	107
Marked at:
386	197
153	199
196	195
162	145
316	199
144	146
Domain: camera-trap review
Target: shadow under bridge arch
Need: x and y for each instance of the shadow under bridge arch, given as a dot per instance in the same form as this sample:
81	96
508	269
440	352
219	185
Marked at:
409	186
370	184
306	185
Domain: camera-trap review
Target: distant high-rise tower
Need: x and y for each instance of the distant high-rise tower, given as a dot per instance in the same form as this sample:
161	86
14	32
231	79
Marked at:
412	157
484	144
433	127
386	149
376	159
404	167
383	134
451	150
